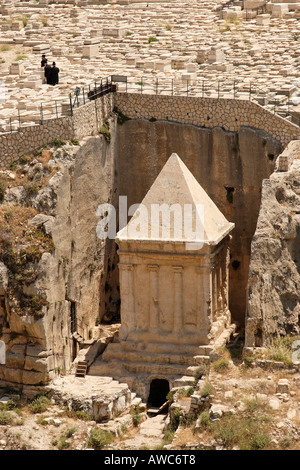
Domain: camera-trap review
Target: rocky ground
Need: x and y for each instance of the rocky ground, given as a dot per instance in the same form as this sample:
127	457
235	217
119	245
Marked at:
243	407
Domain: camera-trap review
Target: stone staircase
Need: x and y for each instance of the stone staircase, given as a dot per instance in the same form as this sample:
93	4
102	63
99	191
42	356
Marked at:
91	349
135	367
136	364
147	362
81	369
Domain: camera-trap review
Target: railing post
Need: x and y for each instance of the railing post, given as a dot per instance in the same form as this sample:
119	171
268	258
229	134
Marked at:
250	92
19	118
156	85
41	111
234	89
172	87
218	89
83	95
10	125
56	109
71	105
141	85
187	87
203	90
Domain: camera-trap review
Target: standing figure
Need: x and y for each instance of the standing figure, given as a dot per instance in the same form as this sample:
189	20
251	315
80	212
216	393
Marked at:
43	61
54	74
47	70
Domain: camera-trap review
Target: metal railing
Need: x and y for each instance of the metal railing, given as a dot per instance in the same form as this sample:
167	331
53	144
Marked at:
82	95
220	89
60	108
190	87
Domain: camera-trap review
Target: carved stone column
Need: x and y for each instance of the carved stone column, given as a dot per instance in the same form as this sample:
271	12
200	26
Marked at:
204	298
178	299
154	293
127	295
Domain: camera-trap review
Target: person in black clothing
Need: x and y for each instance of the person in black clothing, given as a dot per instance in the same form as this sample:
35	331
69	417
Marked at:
48	70
54	74
43	61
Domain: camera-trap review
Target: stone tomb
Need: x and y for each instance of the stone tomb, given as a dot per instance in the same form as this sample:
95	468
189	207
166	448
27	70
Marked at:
173	284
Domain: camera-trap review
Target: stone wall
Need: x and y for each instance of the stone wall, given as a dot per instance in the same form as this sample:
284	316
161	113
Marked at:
229	114
28	139
86	120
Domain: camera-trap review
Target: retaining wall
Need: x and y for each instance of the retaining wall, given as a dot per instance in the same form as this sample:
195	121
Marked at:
228	114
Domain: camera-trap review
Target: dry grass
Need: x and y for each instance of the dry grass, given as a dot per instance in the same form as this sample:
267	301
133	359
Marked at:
183	436
14	227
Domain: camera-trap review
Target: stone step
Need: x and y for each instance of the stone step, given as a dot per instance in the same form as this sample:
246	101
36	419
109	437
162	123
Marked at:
103	368
115	369
193	350
136	402
114	352
160	369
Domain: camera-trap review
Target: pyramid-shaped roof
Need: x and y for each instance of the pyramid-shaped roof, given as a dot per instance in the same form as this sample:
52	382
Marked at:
176	209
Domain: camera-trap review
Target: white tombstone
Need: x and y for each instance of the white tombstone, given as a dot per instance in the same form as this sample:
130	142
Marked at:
2	353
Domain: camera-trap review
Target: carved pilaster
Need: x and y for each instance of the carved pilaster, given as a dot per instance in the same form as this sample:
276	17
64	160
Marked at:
127	295
154	293
204	298
178	299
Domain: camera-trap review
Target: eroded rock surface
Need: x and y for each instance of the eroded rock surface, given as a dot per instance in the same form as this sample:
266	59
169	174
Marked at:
274	279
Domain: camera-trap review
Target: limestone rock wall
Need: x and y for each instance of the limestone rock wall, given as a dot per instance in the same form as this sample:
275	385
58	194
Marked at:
230	166
69	278
274	278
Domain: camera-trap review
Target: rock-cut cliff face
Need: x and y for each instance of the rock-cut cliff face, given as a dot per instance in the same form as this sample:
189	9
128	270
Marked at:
54	270
274	277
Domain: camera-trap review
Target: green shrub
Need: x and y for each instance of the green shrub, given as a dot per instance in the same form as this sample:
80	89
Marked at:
281	350
63	443
285	442
6	418
136	416
248	362
206	390
31	188
204	418
104	130
99	438
175	420
57	143
185	392
39	404
259	441
168	436
82	415
221	365
69	433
